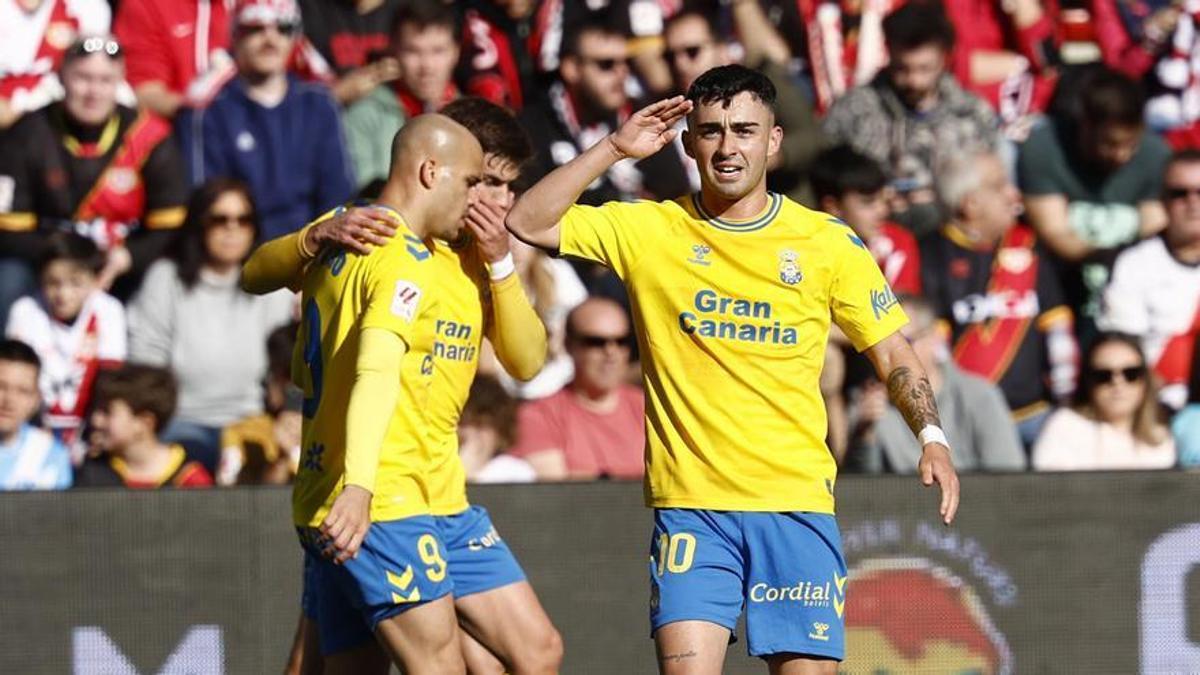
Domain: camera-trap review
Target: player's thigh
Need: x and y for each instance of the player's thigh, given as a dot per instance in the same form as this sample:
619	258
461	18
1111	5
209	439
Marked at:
511	622
691	648
424	639
365	659
311	661
795	587
795	664
479	660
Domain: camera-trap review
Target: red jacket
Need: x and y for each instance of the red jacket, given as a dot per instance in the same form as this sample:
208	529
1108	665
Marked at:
171	41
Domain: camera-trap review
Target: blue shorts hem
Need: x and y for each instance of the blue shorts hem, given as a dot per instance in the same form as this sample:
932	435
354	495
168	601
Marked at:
461	592
720	621
807	650
396	610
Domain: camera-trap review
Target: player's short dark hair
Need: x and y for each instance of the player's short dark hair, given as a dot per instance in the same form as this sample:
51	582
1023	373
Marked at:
425	14
145	389
842	169
723	83
692	10
496	128
918	24
15	351
1108	97
602	21
490	405
73	248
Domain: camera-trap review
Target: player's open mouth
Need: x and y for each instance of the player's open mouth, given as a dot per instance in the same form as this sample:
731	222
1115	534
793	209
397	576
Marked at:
728	171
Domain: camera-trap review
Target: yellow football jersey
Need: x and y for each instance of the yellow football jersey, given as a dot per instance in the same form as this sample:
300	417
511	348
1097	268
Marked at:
463	289
732	319
343	294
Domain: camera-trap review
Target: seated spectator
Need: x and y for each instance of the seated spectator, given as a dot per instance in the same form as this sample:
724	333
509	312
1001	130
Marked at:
595	426
485	429
110	172
265	449
997	290
133	403
192	317
973	412
586	102
75	328
1155	288
853	187
424	44
34	36
30	458
913	114
1114	423
177	50
267	128
1092	178
692	46
352	36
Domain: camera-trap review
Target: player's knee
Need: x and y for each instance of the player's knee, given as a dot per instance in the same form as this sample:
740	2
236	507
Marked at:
541	654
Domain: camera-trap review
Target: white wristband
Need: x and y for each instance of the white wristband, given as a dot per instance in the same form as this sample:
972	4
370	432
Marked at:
932	434
502	267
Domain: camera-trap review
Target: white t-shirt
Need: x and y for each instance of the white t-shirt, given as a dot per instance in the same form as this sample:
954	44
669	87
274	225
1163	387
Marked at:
505	468
70	353
1072	442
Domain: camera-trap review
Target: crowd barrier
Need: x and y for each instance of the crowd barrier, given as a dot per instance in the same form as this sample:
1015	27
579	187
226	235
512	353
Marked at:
1089	573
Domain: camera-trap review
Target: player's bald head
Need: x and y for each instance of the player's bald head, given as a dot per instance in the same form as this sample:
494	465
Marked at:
433	136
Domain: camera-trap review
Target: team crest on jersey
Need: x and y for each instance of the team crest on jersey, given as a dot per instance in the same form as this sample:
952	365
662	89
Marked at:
1014	260
789	267
121	179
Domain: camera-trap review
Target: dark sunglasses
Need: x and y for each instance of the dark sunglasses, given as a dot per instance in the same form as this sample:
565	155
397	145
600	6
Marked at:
607	65
691	52
285	28
243	219
1109	375
1173	193
601	341
96	45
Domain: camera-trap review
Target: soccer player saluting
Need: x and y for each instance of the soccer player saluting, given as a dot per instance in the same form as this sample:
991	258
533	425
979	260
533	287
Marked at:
361	495
478	294
733	291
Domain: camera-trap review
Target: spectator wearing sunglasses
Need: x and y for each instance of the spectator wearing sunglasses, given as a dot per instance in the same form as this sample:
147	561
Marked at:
1115	422
586	102
86	163
595	426
269	129
692	45
192	317
34	37
1155	288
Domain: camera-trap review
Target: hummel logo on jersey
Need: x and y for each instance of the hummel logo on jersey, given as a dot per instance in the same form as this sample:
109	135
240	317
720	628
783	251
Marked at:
699	254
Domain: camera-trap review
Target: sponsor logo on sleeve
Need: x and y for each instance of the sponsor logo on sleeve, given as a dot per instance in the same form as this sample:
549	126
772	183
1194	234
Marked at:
882	300
405	300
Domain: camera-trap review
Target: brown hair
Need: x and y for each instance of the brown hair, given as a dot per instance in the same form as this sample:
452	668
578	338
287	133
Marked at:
145	389
497	129
1147	421
490	405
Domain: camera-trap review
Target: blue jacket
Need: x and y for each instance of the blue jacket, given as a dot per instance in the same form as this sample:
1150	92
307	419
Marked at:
293	156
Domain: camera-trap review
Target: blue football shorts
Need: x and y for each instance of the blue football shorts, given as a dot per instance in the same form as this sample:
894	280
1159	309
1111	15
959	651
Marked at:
785	569
401	564
479	559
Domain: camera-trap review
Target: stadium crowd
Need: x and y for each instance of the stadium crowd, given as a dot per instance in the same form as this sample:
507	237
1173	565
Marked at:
1026	173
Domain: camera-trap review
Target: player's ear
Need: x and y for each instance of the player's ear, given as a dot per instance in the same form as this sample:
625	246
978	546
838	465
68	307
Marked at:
775	140
427	174
569	69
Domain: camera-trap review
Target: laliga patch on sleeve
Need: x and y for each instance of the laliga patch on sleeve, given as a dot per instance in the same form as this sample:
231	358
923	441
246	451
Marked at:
405	300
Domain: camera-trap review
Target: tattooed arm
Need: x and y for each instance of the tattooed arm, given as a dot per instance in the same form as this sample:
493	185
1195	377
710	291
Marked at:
909	390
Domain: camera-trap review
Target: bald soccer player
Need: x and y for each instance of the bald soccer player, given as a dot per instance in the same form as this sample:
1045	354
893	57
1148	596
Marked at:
375	560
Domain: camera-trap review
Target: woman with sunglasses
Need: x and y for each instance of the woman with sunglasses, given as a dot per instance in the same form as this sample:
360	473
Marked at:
1115	422
192	317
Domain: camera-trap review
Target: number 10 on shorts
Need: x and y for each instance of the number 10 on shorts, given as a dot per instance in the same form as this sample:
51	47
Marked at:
675	553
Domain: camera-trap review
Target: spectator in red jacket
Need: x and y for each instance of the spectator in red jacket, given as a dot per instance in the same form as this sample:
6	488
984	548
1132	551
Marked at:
133	405
595	426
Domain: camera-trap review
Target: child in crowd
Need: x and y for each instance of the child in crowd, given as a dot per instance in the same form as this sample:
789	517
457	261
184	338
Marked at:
132	405
74	327
486	429
30	458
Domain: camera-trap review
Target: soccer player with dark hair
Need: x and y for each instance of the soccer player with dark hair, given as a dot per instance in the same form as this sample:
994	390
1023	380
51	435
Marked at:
733	292
479	294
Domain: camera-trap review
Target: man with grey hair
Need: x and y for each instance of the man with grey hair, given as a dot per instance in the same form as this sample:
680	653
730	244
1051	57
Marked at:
974	413
990	281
